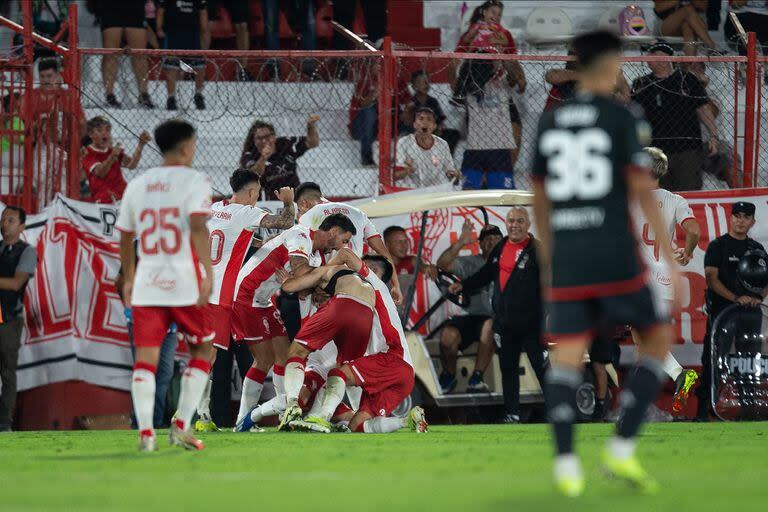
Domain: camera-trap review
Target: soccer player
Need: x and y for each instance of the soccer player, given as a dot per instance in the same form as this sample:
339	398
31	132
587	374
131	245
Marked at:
674	212
313	209
383	367
255	319
167	208
231	226
589	166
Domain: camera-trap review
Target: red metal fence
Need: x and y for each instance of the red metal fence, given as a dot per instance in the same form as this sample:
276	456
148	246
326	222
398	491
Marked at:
41	127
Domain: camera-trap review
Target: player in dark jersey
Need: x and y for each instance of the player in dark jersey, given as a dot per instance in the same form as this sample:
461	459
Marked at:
589	167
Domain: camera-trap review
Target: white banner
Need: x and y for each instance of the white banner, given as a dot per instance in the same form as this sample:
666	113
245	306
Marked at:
76	329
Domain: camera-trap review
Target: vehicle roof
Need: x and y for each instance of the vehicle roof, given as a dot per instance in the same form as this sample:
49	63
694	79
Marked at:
384	206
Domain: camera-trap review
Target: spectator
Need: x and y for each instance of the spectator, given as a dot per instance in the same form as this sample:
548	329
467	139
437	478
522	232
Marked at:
183	25
461	331
18	261
363	108
753	16
485	35
563	82
421	98
721	262
680	19
374	12
513	270
124	19
12	132
301	16
493	140
239	14
676	105
103	161
396	240
274	158
150	22
425	159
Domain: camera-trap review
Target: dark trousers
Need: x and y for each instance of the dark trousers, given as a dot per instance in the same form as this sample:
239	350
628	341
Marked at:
221	385
10	342
510	345
374	12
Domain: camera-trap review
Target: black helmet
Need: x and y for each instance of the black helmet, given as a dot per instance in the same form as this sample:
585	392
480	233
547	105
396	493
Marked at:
753	271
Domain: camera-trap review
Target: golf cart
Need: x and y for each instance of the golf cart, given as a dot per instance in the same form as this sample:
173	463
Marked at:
425	350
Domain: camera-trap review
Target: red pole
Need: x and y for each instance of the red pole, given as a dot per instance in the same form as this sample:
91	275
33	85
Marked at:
28	115
749	111
385	113
73	62
733	178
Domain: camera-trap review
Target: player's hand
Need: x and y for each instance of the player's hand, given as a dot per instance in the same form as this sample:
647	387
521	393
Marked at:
397	295
145	137
206	285
268	150
713	146
127	292
455	288
681	257
282	275
466	232
285	194
313	118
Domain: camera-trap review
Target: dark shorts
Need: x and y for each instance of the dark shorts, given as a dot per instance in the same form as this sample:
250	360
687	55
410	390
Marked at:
182	40
237	9
123	14
603	350
469	327
570	319
495	165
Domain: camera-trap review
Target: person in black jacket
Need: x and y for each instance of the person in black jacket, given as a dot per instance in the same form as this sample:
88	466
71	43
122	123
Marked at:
517	306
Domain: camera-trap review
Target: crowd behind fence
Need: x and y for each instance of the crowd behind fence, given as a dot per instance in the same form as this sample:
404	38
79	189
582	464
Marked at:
486	109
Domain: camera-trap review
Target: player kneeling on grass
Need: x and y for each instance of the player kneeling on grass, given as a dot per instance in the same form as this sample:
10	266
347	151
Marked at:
372	342
167	208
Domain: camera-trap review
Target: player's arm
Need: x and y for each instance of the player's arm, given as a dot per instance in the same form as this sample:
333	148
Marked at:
299	265
133	162
377	244
199	236
692	234
284	219
346	257
306	281
127	264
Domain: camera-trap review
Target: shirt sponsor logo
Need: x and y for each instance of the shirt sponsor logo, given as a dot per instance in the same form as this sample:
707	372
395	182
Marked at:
166	285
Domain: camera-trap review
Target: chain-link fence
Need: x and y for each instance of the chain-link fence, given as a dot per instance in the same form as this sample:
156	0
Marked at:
490	110
761	139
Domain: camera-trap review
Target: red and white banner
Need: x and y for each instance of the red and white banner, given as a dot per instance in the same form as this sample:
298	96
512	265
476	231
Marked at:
76	328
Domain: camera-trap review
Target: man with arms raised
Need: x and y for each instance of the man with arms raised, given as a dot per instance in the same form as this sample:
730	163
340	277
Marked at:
167	208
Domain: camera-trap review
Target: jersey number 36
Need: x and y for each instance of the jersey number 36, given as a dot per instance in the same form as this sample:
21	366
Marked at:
577	165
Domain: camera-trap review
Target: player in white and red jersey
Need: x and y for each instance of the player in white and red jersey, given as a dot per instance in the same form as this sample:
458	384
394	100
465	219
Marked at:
674	212
167	208
383	368
255	318
231	229
313	209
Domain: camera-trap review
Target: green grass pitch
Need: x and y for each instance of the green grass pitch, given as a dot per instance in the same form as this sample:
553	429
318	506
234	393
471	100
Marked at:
701	467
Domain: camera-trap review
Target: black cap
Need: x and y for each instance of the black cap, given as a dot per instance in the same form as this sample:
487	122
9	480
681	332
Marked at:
661	46
489	230
743	207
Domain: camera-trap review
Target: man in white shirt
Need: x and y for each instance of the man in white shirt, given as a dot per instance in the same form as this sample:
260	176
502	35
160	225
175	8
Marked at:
424	158
674	212
166	208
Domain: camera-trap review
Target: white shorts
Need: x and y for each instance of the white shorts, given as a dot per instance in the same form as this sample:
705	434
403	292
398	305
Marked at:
662	298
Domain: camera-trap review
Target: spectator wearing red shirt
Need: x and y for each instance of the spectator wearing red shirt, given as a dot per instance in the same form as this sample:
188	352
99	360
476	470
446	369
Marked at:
513	269
396	240
103	161
485	35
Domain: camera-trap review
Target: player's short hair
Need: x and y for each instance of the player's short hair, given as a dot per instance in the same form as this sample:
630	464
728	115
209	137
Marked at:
659	162
306	188
338	220
20	211
381	263
96	122
591	46
48	63
242	177
391	230
425	110
171	133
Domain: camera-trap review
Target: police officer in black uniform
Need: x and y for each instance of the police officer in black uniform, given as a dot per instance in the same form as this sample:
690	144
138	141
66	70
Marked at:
589	166
721	262
18	261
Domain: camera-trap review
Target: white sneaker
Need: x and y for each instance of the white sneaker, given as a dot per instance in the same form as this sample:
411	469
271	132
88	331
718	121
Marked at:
147	443
185	439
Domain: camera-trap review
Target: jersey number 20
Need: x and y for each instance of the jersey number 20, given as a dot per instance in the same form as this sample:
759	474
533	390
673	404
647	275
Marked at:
578	167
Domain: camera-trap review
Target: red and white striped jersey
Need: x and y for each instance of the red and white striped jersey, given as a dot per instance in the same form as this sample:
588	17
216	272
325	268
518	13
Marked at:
256	281
363	225
387	333
231	226
157	206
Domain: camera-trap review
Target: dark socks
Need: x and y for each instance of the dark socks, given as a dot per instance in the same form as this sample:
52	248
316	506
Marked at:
561	384
640	392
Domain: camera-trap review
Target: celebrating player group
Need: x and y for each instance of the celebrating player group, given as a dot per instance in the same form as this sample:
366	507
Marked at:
341	362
